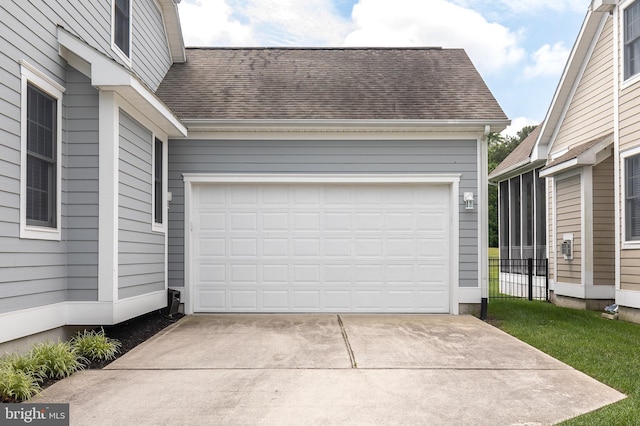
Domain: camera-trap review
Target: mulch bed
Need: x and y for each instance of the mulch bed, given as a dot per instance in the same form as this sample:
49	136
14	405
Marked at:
135	331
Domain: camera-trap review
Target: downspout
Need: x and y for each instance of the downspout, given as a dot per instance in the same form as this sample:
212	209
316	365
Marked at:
484	220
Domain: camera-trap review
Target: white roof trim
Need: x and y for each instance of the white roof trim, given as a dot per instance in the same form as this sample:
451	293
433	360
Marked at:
581	53
173	30
589	157
106	74
209	125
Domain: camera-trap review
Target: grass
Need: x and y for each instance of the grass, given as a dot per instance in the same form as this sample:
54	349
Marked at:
605	350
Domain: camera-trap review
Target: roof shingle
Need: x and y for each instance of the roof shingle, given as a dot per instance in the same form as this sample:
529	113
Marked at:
328	83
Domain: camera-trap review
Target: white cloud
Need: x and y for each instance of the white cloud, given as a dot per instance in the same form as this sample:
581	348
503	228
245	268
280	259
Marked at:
261	22
524	6
548	61
295	22
517	124
210	23
528	6
491	46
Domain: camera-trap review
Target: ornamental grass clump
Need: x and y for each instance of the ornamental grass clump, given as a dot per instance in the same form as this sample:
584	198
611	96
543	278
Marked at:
59	360
17	385
94	345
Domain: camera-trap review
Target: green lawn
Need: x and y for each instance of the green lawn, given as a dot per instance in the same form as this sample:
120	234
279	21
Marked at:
607	350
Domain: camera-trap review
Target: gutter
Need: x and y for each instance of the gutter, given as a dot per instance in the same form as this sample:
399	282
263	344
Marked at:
253	125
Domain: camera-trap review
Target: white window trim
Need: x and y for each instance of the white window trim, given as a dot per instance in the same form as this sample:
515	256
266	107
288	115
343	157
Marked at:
126	58
159	227
626	245
626	82
32	75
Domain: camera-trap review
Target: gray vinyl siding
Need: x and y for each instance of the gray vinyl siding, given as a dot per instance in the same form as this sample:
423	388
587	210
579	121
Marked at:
81	148
141	251
150	51
29	31
207	156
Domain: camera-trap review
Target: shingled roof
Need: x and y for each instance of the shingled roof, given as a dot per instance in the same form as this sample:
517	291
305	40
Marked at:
328	83
519	157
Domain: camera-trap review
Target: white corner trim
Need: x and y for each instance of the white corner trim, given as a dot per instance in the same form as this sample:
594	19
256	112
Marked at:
109	149
628	298
14	325
600	292
571	290
25	322
469	295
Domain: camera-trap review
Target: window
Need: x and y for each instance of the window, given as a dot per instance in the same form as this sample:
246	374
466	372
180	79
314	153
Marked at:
632	40
41	158
158	199
40	168
632	198
122	26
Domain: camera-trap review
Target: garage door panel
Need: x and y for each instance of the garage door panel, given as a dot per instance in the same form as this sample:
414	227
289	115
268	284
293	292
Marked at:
275	300
275	221
243	300
211	299
243	222
211	247
307	248
306	300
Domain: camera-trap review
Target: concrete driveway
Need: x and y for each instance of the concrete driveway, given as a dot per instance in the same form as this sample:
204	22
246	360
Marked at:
330	369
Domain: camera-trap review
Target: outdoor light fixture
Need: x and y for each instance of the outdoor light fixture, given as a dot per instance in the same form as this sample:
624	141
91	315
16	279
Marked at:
468	200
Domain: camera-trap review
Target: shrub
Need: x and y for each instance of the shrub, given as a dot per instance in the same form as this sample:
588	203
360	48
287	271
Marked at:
95	346
59	360
16	385
24	362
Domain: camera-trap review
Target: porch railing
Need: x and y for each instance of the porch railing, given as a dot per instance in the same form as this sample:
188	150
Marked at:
519	279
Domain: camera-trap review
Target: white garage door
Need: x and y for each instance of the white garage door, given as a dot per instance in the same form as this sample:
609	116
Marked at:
283	247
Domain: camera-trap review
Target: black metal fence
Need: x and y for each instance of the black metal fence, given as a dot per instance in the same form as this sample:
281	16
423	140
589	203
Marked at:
519	279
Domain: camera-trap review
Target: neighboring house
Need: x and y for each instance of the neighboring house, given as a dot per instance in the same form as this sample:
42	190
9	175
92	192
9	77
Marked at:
252	180
589	145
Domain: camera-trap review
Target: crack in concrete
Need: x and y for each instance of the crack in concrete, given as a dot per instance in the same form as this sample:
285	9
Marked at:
352	356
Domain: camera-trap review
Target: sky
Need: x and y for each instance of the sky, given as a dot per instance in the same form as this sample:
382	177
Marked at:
519	47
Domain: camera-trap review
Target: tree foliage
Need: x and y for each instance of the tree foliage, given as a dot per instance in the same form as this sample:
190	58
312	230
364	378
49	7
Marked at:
499	148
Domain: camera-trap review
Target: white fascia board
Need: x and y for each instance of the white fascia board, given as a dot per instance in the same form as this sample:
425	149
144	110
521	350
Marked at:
206	125
562	167
173	29
516	170
591	157
106	74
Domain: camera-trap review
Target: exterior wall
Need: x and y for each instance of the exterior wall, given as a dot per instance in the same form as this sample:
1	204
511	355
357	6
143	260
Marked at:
335	156
151	58
30	34
569	221
141	251
603	224
36	272
590	114
629	138
81	150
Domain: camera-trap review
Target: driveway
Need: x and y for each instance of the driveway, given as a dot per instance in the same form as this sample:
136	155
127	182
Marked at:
330	369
